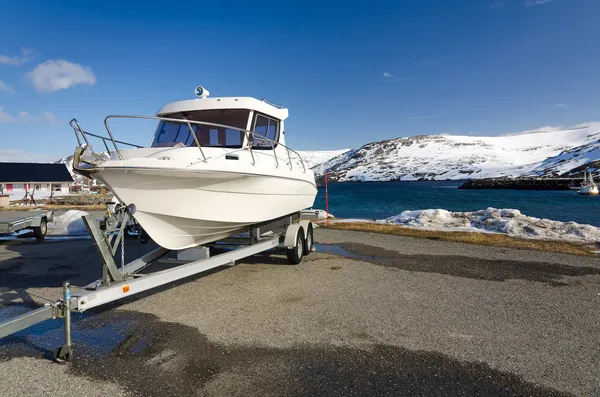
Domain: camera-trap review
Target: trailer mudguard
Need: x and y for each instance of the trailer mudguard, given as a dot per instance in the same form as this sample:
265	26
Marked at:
36	221
306	225
291	235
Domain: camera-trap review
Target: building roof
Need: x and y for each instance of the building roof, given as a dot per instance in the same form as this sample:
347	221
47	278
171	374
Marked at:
224	103
34	172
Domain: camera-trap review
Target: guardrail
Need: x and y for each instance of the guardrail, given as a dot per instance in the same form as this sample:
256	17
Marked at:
84	134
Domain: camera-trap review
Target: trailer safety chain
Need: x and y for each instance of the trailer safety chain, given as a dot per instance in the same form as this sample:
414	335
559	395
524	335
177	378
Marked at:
123	256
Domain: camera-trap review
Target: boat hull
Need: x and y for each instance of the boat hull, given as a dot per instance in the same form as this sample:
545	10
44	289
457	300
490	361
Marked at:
181	209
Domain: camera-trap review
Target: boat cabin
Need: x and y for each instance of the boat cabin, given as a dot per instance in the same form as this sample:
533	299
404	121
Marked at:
226	123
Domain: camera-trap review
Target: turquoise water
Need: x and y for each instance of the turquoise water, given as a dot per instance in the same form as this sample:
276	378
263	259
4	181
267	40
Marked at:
382	200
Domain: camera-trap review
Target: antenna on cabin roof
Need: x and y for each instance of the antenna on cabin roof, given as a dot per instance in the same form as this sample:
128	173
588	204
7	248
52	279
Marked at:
201	92
265	100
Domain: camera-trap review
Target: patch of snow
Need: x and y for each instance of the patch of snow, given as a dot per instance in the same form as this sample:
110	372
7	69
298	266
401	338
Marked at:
321	214
18	194
68	224
504	221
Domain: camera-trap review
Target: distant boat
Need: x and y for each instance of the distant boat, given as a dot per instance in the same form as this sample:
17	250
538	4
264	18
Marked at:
573	186
588	187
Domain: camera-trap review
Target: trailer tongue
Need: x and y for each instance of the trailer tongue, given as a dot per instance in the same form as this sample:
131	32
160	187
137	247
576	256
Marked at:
290	233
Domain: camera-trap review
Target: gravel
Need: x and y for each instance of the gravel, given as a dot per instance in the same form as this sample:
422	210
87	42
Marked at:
390	316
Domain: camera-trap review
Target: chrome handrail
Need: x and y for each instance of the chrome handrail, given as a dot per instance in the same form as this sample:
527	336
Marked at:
78	130
189	122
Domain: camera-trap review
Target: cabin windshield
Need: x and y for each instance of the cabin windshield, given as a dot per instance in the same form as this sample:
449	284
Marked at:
171	134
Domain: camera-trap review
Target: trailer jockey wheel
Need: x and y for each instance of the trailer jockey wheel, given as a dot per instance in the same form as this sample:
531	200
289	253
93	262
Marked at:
63	354
296	253
40	231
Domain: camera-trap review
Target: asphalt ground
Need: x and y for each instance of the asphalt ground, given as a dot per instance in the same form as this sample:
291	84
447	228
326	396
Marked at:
366	314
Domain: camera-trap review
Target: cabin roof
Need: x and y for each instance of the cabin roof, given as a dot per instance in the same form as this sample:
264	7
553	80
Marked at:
34	172
224	103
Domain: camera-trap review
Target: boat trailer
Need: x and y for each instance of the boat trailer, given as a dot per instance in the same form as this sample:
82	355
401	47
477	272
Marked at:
292	233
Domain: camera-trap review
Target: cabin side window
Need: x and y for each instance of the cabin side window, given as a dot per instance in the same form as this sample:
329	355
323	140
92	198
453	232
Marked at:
266	130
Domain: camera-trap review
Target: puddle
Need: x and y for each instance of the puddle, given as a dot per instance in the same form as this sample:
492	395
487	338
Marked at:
98	339
337	250
28	236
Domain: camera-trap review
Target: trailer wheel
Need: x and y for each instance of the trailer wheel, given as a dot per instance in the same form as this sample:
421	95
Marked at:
40	231
296	253
308	242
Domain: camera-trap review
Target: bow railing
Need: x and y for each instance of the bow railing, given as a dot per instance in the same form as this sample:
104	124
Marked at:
81	134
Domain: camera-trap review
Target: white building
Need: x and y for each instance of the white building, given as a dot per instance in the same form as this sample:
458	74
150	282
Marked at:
34	177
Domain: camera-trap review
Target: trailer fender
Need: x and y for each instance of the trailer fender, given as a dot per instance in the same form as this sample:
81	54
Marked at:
37	221
291	235
306	225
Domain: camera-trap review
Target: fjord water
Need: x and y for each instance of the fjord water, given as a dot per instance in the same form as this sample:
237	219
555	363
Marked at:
379	200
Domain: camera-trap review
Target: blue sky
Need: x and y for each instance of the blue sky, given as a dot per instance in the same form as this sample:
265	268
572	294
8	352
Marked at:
350	73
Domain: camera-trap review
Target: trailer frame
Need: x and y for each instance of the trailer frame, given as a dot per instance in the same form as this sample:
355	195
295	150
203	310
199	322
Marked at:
287	233
14	221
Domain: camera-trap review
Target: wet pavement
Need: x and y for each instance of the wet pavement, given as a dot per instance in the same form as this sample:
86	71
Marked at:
353	319
460	266
154	358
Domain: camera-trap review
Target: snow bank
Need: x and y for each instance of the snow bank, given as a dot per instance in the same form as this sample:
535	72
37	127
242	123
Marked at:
321	214
69	223
505	221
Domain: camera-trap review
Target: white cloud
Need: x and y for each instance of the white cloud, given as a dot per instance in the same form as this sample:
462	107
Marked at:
6	88
26	55
26	117
388	75
562	105
59	74
530	3
426	117
48	118
5	117
20	156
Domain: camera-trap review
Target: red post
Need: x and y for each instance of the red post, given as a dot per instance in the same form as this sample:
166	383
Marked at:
326	202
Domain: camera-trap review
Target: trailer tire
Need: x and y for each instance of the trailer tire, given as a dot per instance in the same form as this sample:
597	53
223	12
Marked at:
40	231
296	253
308	241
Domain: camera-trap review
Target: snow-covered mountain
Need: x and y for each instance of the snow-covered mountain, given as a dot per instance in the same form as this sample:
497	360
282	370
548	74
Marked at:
545	152
313	158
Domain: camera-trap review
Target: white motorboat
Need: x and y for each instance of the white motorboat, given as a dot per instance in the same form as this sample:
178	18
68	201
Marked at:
214	167
582	185
588	187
